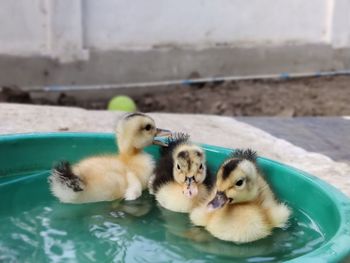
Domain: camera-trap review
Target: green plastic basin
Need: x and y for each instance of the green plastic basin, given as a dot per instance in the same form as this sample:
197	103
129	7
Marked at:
35	227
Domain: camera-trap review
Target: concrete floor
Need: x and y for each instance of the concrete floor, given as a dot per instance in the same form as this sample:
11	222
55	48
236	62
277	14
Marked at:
327	135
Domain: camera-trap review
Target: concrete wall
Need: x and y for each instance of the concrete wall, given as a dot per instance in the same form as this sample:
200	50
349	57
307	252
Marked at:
83	35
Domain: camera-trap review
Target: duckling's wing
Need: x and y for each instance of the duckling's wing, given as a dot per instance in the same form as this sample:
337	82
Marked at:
163	172
209	179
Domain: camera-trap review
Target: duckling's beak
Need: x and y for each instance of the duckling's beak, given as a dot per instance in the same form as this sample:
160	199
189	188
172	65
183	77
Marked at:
190	188
161	133
219	201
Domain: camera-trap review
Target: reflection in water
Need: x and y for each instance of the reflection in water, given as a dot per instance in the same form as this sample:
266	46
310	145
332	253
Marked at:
129	231
299	237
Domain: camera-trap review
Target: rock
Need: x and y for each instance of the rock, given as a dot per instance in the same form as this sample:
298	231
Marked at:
14	94
287	112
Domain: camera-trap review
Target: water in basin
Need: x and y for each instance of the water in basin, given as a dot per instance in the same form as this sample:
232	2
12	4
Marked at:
35	227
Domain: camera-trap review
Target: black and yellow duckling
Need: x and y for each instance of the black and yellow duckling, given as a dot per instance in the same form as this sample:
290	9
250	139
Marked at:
110	177
181	179
242	208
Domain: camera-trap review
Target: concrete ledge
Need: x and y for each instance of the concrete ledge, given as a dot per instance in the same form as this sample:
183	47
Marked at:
222	131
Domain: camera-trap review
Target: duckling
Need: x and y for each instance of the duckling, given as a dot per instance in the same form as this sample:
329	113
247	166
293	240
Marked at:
110	177
242	208
181	179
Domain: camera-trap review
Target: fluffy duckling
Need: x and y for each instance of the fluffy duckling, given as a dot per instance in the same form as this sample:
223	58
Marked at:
242	208
110	177
181	179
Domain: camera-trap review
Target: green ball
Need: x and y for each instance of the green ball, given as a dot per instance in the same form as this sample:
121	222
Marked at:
122	103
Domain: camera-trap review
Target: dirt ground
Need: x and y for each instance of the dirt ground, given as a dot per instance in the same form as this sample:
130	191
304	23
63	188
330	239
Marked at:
323	96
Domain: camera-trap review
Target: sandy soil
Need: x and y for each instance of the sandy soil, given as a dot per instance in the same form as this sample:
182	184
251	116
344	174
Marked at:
326	96
303	97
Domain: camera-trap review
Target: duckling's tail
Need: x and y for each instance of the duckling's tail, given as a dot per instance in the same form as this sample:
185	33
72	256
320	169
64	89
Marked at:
64	183
280	215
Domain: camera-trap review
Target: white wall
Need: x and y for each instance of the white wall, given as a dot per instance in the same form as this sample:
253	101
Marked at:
340	24
23	26
67	29
143	24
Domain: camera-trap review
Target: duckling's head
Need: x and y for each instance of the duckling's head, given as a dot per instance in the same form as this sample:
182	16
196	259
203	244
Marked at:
189	169
136	131
236	180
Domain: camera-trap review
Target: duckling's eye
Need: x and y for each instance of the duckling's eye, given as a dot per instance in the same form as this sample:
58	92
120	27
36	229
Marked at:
201	167
178	167
239	182
148	127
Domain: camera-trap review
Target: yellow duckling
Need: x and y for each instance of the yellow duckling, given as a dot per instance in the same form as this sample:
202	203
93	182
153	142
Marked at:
181	179
242	207
110	177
